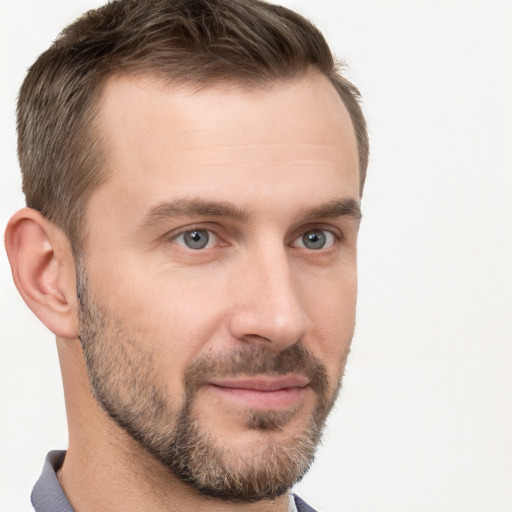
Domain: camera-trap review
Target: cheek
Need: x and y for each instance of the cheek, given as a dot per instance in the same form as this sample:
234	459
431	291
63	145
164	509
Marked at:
168	315
332	314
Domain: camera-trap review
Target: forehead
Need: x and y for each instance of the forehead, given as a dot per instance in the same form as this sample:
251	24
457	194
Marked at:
168	138
311	95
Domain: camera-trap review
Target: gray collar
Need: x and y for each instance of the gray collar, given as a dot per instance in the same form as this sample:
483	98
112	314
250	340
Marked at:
48	496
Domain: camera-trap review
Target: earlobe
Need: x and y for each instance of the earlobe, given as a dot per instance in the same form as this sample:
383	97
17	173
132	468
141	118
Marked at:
43	270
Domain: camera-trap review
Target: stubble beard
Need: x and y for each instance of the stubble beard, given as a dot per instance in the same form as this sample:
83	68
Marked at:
127	382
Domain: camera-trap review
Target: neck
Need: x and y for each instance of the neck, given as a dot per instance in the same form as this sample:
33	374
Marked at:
105	469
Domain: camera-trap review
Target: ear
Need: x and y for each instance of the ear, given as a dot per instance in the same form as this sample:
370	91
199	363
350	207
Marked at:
43	270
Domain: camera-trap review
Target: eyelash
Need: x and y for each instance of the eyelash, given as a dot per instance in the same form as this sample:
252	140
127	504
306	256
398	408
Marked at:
330	239
333	238
197	230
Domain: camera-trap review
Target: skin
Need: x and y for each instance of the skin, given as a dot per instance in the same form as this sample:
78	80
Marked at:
280	157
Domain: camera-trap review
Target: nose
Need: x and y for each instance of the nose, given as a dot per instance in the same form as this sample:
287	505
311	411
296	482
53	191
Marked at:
268	308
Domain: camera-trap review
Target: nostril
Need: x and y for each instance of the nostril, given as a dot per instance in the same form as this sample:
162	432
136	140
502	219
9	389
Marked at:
255	338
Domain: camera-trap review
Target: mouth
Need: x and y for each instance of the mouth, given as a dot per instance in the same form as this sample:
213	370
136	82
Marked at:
262	392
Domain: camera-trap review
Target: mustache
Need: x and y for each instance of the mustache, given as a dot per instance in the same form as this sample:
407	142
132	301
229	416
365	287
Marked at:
254	360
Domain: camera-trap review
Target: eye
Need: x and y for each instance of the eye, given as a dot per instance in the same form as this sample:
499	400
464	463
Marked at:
197	239
315	239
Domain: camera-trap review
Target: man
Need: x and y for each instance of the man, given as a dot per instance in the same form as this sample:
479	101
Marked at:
193	172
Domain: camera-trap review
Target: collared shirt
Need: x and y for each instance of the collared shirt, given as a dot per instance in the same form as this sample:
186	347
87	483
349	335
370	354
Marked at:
48	496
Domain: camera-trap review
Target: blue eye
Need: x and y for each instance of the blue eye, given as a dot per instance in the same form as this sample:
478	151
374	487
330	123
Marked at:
315	239
196	239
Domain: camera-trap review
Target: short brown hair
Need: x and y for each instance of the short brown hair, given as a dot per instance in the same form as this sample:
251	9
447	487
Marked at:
201	42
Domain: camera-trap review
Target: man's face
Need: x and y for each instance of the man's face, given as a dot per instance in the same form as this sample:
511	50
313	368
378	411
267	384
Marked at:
218	286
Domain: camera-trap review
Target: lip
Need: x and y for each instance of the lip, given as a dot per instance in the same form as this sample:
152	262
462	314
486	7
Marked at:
262	392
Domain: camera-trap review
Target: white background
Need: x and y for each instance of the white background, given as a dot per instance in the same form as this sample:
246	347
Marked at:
425	418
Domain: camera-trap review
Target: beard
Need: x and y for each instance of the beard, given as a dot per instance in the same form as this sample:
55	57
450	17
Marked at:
127	380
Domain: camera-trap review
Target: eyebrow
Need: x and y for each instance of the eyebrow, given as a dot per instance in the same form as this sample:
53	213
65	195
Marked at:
336	208
201	208
192	207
